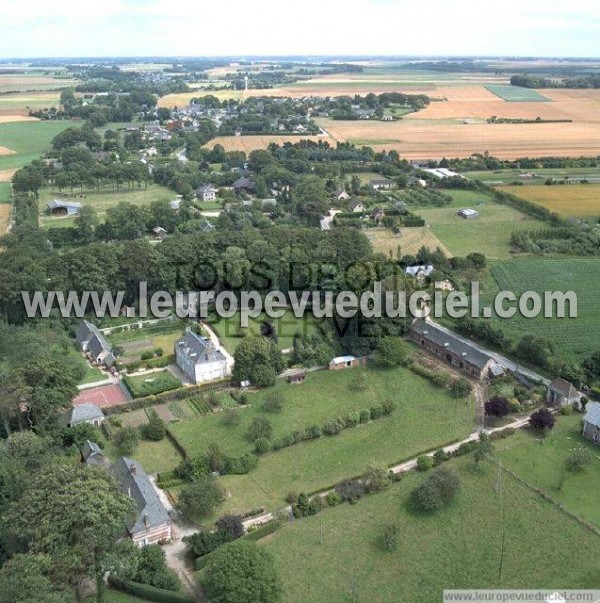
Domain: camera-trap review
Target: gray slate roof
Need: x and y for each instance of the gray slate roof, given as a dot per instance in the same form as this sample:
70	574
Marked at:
455	345
592	415
562	386
92	453
58	204
133	481
86	331
82	413
199	349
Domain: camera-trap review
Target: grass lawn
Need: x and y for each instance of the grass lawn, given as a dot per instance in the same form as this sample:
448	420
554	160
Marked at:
151	383
509	176
5	196
541	462
136	341
424	417
100	201
115	596
153	456
92	374
29	140
496	534
488	234
231	333
573	337
514	94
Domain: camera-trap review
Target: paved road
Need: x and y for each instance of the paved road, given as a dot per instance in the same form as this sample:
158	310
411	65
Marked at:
503	361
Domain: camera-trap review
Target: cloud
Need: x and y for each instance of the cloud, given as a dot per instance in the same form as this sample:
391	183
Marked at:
358	27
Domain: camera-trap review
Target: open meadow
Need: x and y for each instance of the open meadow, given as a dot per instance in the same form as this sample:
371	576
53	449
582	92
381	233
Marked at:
100	201
489	536
424	417
574	338
408	241
580	200
488	234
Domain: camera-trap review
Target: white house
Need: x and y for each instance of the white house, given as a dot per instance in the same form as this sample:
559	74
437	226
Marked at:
199	359
207	193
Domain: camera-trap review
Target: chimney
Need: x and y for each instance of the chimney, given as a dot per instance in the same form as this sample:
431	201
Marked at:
132	469
146	519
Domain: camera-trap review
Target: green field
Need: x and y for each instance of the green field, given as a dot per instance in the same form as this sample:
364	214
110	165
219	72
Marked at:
100	201
5	192
231	333
29	139
541	462
488	234
573	337
496	534
516	94
151	383
539	175
424	418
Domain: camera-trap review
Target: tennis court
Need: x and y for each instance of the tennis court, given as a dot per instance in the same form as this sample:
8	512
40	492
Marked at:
103	396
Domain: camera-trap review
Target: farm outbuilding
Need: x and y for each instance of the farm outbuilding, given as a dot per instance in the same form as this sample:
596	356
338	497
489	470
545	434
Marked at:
63	208
344	362
467	214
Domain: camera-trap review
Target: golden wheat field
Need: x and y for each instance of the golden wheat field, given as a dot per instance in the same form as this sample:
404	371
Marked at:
409	241
4	150
6	175
581	200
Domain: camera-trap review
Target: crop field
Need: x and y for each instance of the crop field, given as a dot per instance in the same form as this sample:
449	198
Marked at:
13	106
573	337
513	94
100	201
478	541
581	200
488	234
25	82
425	416
251	143
438	138
4	217
383	240
28	140
541	462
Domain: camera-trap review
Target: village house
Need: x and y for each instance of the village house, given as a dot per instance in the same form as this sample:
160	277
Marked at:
199	359
151	524
159	233
341	195
63	208
420	272
92	342
83	413
243	184
92	455
175	204
378	214
459	353
206	193
357	206
382	184
591	422
561	393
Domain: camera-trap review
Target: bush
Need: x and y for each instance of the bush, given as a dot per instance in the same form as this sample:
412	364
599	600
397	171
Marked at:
152	569
262	445
566	410
147	355
126	440
465	448
578	460
388	407
436	491
350	490
542	419
155	429
389	537
365	415
192	468
332	428
376	412
440	456
200	498
158	352
301	508
146	592
498	406
239	465
333	499
231	417
292	497
313	432
441	379
460	388
203	543
424	463
260	427
352	419
273	402
231	525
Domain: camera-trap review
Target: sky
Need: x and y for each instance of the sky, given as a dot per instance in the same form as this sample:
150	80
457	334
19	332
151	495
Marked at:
75	28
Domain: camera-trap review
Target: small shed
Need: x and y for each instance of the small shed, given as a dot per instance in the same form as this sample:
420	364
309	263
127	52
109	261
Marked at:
65	208
159	232
343	362
467	214
298	376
